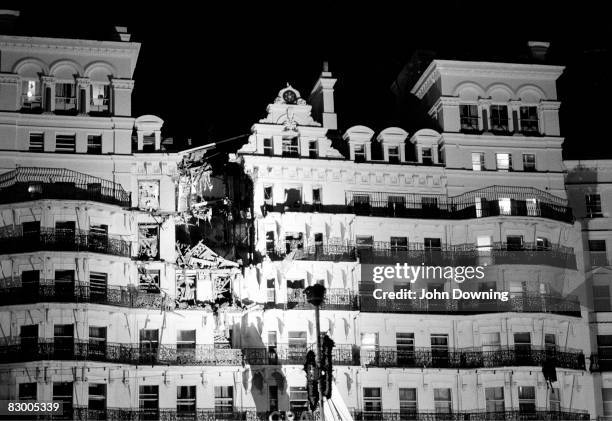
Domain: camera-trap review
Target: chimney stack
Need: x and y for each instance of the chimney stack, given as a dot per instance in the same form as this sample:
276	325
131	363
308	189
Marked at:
322	99
8	18
122	34
539	49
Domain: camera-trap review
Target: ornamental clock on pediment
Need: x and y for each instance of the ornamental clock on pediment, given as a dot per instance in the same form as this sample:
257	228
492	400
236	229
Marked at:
289	96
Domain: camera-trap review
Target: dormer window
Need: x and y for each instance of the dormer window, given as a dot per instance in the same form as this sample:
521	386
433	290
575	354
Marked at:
65	97
529	120
31	98
469	117
427	156
312	149
100	98
290	147
394	154
360	153
499	118
267	146
148	143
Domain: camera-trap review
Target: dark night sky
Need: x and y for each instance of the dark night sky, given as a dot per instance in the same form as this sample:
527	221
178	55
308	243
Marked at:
210	73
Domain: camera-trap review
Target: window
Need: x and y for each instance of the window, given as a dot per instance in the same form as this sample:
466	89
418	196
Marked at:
98	284
94	144
30	90
396	205
364	241
97	396
28	336
604	347
148	142
149	344
597	245
65	143
478	161
439	346
499	118
30	280
270	242
268	198
405	348
267	146
100	97
224	399
148	241
298	400
186	343
432	244
27	391
148	280
529	120
272	398
494	398
550	341
529	164
601	298
297	345
65	96
504	161
542	243
429	203
527	403
427	156
442	400
490	341
360	153
593	206
372	402
37	142
290	147
97	342
606	396
514	242
532	207
148	401
361	202
62	392
394	154
399	243
469	117
148	194
554	399
293	196
63	340
522	341
316	196
186	399
408	403
312	149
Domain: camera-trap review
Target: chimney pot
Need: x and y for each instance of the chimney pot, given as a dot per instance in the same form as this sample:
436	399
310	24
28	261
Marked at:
539	49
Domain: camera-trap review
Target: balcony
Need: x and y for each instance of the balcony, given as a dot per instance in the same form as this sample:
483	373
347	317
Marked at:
51	239
285	354
335	299
526	302
481	203
305	207
31	183
598	258
167	414
65	104
121	353
323	252
498	253
538	414
31	104
50	292
472	357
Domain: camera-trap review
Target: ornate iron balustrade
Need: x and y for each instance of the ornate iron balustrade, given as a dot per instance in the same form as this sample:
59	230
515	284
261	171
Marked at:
521	303
524	201
335	299
305	207
51	239
13	292
81	413
163	354
538	414
324	252
472	357
33	183
282	354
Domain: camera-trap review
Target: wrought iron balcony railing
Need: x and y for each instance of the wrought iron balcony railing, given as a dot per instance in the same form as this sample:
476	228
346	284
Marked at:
335	299
305	207
499	253
537	414
13	292
480	203
527	302
163	354
31	183
471	357
80	413
281	354
51	239
323	252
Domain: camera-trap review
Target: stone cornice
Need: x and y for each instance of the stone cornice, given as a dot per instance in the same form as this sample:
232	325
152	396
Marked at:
550	105
123	84
9	78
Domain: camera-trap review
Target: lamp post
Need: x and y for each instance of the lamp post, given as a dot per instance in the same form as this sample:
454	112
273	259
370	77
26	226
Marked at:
315	295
